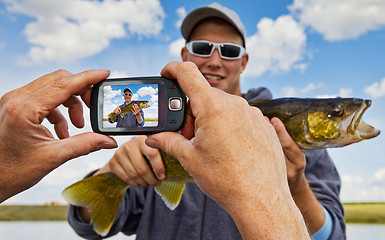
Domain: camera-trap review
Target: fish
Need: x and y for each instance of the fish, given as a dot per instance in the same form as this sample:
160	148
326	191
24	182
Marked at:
127	109
312	123
102	193
315	123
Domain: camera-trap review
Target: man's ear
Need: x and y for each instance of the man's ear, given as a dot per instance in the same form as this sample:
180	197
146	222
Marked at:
245	60
184	53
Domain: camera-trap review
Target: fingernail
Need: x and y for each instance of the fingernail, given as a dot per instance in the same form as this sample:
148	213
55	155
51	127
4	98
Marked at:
274	121
161	176
152	143
110	143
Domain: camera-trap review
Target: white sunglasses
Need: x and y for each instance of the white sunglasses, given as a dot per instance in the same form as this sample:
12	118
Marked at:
202	48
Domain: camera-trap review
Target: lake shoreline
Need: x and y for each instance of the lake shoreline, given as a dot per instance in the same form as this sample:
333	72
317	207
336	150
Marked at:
356	213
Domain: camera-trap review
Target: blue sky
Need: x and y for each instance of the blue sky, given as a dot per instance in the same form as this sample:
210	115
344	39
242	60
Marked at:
297	48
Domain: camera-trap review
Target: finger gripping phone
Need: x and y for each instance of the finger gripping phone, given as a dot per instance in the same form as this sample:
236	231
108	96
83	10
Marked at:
136	106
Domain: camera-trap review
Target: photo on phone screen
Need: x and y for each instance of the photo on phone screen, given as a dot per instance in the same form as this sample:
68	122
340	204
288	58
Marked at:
130	106
137	105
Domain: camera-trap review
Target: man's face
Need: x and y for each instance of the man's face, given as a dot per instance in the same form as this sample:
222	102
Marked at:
220	73
127	96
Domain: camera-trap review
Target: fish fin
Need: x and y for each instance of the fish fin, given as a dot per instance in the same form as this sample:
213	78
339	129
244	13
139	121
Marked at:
102	195
171	193
257	102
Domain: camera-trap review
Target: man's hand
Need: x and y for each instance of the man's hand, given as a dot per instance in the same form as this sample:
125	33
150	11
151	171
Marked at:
135	109
28	150
238	162
130	163
118	111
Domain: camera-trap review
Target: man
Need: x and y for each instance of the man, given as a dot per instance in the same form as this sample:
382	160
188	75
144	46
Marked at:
135	118
215	42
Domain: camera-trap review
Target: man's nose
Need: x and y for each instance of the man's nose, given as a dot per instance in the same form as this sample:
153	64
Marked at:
215	58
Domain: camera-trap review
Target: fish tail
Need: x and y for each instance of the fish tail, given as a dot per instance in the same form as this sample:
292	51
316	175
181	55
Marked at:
112	116
102	195
171	193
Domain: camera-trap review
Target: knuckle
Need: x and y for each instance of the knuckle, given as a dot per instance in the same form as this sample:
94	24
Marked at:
11	108
142	170
62	72
113	163
152	154
132	174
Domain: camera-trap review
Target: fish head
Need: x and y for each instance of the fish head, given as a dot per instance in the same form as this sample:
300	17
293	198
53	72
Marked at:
143	104
338	122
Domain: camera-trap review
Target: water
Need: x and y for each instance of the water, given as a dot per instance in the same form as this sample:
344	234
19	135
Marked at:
62	231
43	231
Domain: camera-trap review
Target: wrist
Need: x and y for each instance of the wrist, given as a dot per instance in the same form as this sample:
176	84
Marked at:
274	214
299	187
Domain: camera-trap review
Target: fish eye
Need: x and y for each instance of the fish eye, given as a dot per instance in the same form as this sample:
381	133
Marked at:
337	111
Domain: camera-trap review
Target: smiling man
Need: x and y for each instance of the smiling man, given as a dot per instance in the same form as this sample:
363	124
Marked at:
135	118
215	42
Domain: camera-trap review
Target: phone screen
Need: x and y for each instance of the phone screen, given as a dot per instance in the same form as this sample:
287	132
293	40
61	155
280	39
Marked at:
130	105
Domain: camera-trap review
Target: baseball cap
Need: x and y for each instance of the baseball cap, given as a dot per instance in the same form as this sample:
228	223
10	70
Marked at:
212	10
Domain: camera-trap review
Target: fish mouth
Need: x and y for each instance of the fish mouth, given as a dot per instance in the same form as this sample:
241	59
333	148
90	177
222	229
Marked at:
359	128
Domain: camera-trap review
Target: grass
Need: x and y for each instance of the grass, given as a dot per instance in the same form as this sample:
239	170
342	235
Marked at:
367	213
32	213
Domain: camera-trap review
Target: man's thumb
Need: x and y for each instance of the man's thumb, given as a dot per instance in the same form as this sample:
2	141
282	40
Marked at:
171	143
82	144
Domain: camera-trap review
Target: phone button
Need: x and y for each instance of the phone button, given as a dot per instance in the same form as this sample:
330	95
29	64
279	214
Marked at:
175	104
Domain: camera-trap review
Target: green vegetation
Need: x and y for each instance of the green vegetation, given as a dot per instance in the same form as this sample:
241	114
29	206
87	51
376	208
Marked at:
368	213
32	213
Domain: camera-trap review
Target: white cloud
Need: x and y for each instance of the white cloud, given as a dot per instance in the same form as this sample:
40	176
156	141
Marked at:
109	93
292	92
379	177
182	13
154	99
358	189
144	91
376	90
342	19
289	91
118	74
343	92
347	179
277	46
66	30
311	87
135	97
176	46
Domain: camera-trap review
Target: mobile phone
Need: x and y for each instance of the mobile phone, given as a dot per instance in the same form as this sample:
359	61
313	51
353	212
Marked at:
136	106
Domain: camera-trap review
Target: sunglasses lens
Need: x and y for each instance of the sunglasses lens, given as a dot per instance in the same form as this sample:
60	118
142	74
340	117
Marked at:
230	51
202	48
